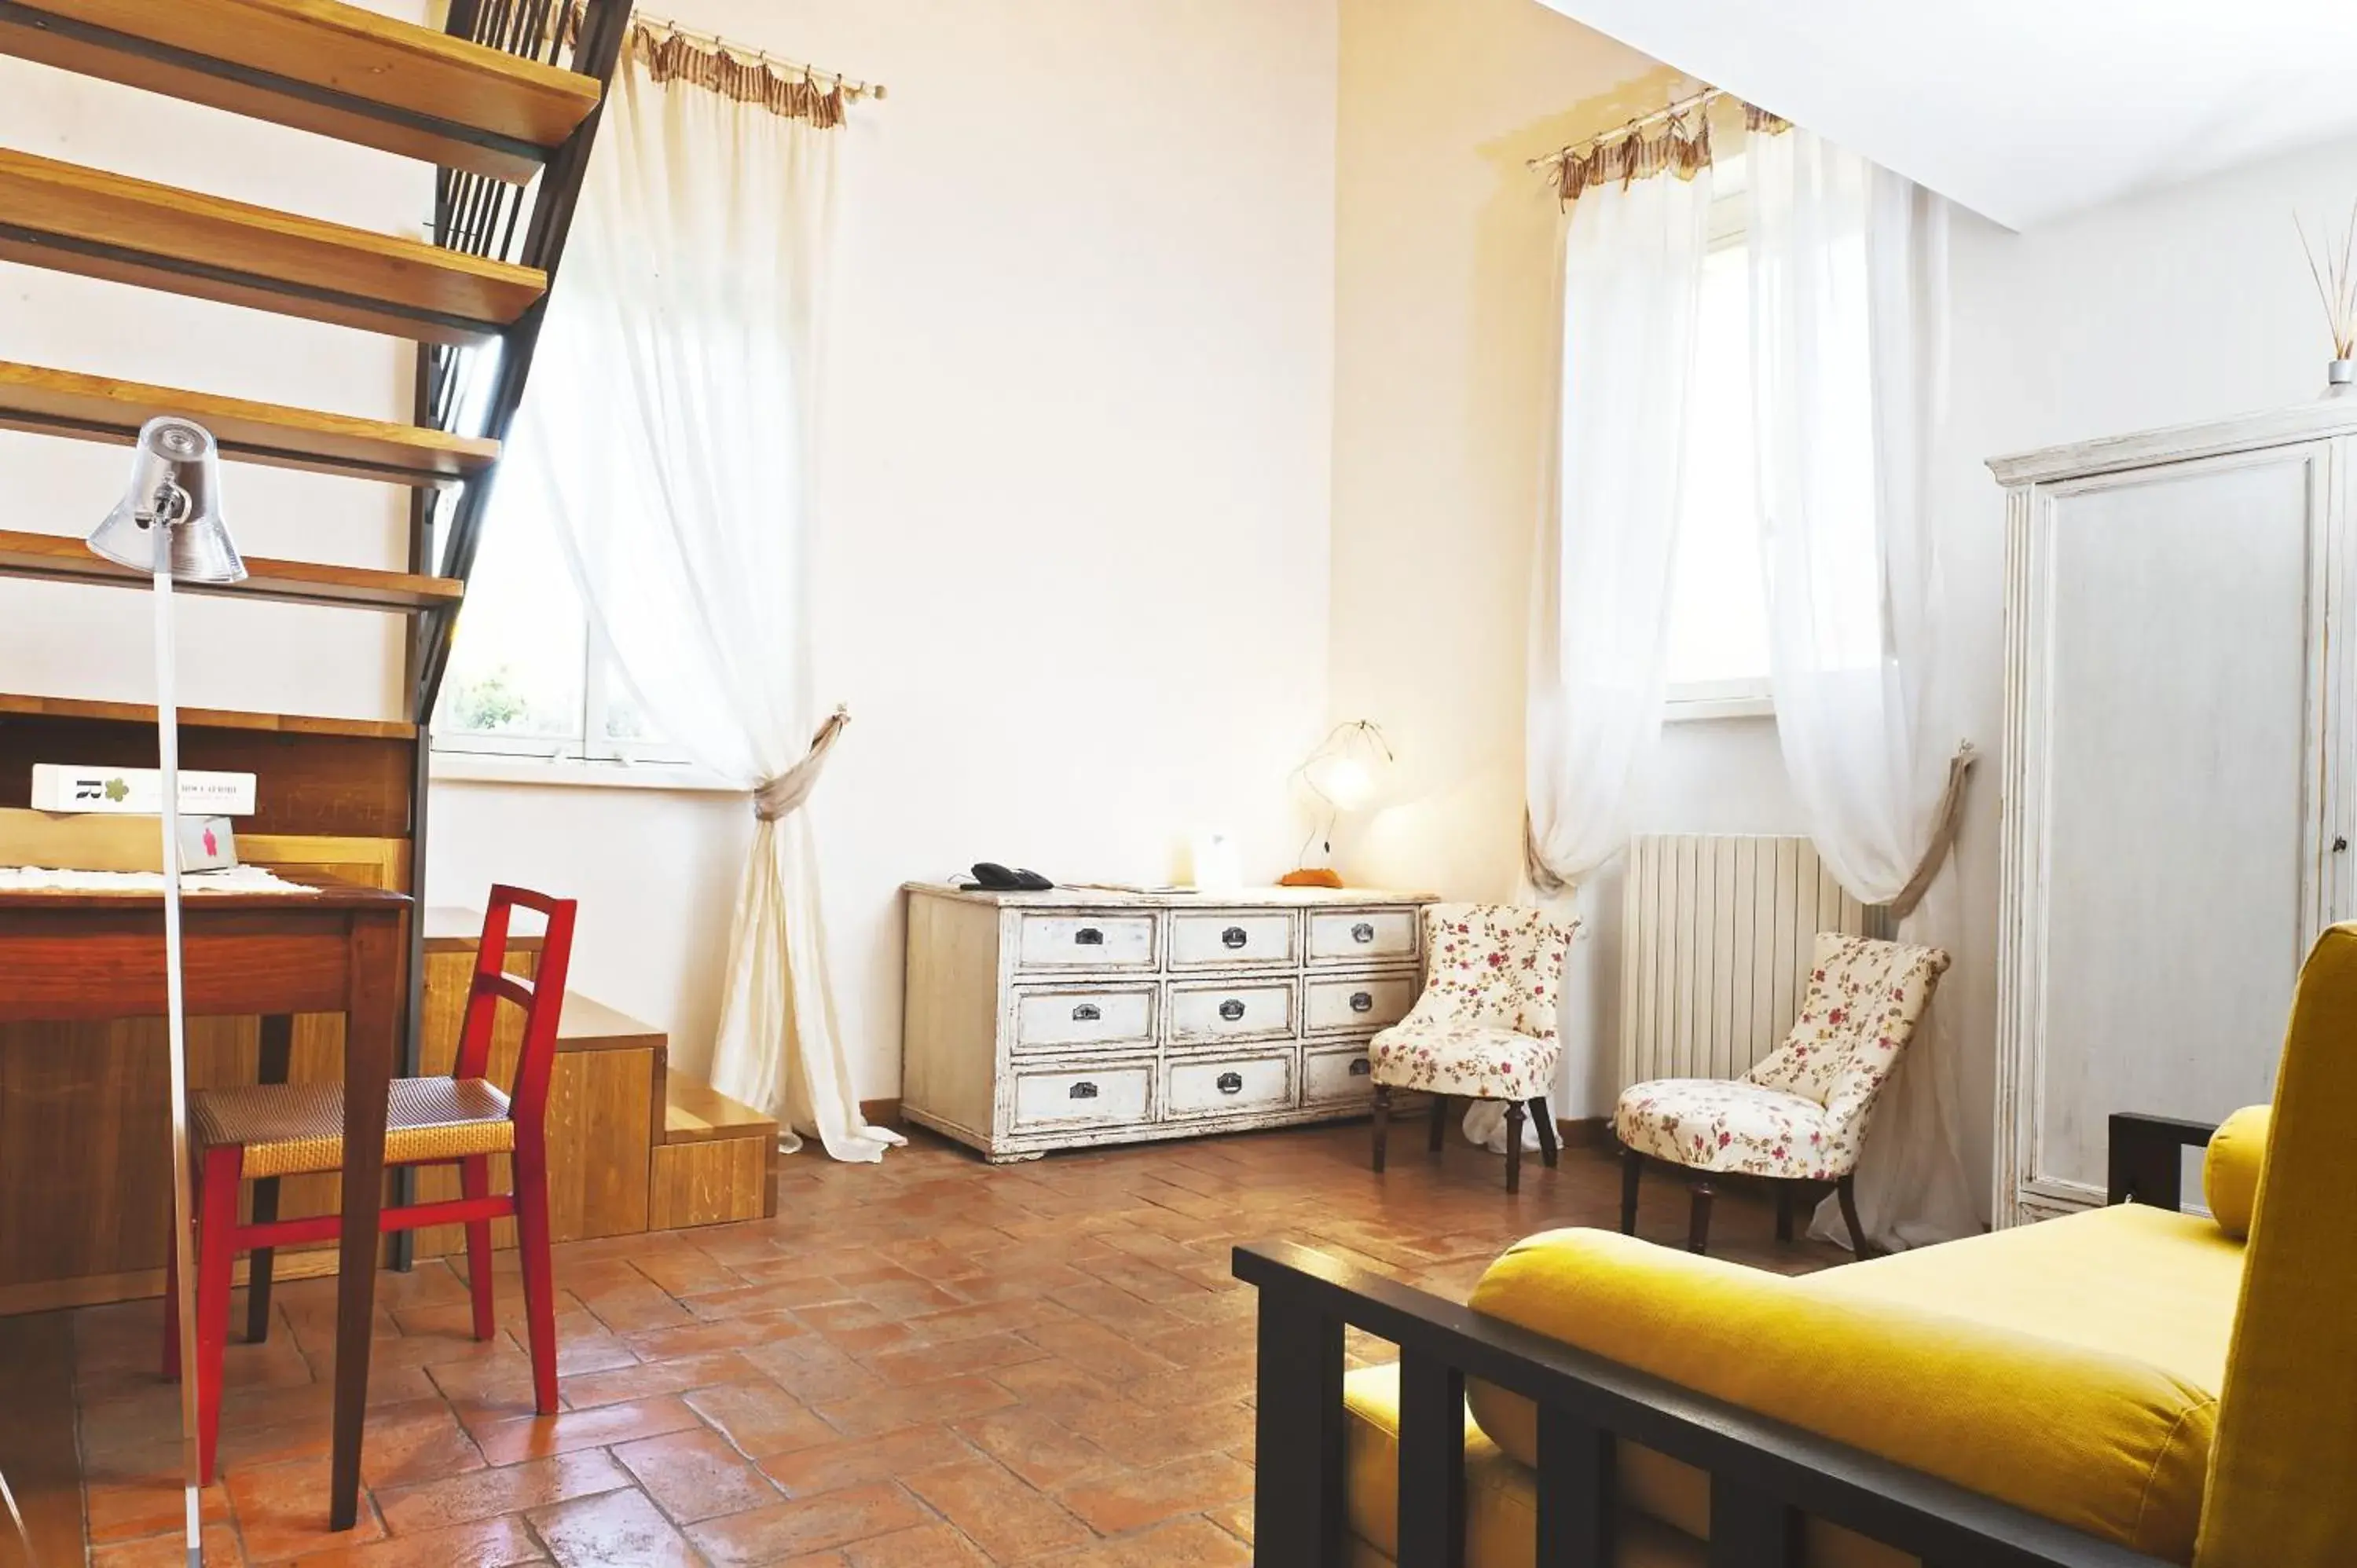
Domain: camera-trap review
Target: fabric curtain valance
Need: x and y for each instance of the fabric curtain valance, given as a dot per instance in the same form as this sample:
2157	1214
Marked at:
669	54
1673	140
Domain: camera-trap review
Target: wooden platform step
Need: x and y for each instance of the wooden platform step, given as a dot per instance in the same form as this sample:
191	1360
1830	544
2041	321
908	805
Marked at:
57	558
696	1112
318	65
717	1162
96	408
69	219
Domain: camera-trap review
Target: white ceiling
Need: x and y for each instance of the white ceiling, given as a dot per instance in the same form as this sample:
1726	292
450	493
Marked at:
2022	110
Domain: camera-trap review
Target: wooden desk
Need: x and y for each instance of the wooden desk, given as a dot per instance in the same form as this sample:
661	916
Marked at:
83	956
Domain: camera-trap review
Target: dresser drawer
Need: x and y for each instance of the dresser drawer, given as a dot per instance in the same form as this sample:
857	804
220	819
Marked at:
1364	935
1205	1011
1333	1076
1086	941
1094	1096
1227	1085
1218	939
1100	1019
1356	1004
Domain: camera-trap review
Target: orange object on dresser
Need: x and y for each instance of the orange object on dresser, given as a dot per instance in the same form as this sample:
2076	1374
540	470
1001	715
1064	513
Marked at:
264	1131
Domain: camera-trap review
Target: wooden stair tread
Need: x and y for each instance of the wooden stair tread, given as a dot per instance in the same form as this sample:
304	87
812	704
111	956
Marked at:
143	714
57	558
696	1112
97	408
588	1025
319	65
66	218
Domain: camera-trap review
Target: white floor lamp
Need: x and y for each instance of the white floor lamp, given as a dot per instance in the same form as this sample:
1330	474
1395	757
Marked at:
169	522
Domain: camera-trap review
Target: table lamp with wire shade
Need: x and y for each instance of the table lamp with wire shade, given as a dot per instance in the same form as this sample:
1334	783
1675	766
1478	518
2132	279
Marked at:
1341	776
169	525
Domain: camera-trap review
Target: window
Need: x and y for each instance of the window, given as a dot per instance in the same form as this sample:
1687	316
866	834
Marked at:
528	676
1718	612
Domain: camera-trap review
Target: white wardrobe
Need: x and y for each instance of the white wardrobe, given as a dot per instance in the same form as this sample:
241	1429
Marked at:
2178	793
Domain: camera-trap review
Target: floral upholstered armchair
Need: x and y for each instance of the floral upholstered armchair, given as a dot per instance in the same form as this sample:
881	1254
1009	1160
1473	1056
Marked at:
1484	1027
1800	1116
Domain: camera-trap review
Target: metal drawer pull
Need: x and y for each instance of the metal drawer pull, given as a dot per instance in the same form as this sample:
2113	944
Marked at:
1086	1013
1233	937
1362	1002
1232	1083
1084	1090
1088	937
1231	1009
1361	1067
1362	932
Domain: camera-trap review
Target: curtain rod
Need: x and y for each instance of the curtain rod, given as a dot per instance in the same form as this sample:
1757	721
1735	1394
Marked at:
1683	106
752	55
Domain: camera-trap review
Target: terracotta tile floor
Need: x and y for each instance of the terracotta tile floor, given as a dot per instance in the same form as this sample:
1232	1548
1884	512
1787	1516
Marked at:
934	1363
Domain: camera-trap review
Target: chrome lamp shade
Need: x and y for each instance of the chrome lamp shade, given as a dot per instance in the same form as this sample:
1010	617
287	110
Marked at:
175	487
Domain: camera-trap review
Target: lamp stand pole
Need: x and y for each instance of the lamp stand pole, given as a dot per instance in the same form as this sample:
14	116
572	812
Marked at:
167	750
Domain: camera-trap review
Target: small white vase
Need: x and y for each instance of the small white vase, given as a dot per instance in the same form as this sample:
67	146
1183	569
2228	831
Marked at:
2339	378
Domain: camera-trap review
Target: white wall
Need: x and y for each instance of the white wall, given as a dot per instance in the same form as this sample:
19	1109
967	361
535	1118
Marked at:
1075	542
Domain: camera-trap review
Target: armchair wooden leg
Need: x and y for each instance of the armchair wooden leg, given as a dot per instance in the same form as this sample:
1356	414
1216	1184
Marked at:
1513	1148
1548	1149
1383	1123
277	1056
1439	1124
474	1181
1783	1211
216	1253
1698	1220
1632	1171
1858	1243
532	1252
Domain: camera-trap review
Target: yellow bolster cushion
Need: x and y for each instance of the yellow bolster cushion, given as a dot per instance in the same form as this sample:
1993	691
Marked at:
2099	1442
2230	1170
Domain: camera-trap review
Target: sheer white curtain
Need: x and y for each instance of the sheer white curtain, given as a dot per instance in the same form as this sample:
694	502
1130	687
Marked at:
1849	354
1600	580
669	435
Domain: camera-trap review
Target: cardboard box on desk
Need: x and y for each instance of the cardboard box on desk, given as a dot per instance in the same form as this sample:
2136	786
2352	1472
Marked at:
113	841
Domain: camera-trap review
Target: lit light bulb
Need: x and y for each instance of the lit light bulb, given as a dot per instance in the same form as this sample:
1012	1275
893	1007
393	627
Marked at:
1344	780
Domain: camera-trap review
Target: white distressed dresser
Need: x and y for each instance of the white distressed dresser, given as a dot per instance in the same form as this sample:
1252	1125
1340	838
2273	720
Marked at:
1044	1021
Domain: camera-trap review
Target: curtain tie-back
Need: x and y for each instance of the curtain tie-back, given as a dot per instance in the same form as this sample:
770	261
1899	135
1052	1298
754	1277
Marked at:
1543	878
1943	833
784	795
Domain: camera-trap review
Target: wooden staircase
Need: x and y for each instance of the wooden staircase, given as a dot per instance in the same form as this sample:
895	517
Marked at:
488	103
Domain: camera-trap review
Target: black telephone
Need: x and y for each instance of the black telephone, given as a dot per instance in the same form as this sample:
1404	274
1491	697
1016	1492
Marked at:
989	877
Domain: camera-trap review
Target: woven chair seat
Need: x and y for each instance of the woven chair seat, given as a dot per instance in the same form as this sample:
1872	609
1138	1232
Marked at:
298	1129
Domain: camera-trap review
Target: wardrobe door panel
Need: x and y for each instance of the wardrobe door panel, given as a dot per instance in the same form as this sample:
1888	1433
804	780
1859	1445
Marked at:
2177	696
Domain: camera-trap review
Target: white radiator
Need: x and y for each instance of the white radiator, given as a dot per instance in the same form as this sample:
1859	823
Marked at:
1717	936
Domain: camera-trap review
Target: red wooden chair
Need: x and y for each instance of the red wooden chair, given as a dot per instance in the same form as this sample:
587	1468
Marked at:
264	1131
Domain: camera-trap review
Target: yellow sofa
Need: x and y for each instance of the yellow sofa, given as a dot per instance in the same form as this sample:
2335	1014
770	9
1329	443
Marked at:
2181	1386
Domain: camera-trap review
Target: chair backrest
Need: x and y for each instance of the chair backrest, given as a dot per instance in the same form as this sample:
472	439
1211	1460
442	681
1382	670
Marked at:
1495	964
541	997
1864	1000
2279	1490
